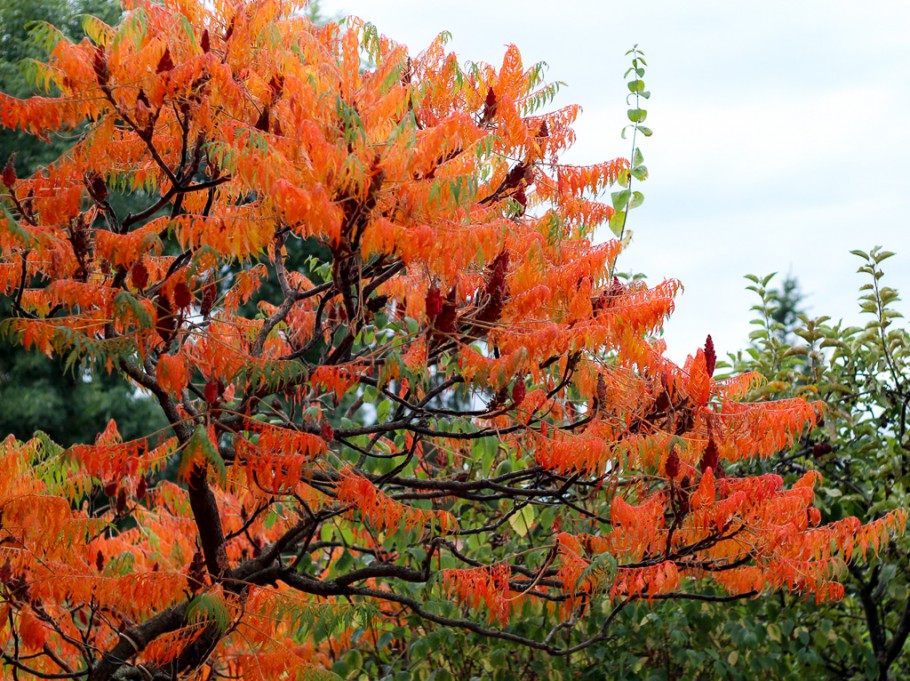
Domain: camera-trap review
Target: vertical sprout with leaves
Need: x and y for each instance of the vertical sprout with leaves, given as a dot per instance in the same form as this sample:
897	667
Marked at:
625	199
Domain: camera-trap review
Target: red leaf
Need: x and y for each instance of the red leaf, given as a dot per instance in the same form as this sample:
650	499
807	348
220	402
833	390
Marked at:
9	173
166	323
262	123
490	105
213	390
209	295
99	561
672	466
433	302
165	63
196	572
97	187
445	320
100	67
522	199
520	172
710	458
710	356
276	86
183	297
204	42
600	392
496	289
518	392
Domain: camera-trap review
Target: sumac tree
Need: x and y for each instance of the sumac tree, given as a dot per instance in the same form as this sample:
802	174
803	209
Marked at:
319	488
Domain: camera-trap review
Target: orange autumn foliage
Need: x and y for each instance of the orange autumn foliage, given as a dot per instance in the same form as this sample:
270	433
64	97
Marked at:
459	399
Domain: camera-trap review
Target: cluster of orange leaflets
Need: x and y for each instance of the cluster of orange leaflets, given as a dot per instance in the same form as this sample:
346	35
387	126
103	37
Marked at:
461	297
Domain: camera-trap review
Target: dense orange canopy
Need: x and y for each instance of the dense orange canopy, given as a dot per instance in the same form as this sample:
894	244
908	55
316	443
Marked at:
454	397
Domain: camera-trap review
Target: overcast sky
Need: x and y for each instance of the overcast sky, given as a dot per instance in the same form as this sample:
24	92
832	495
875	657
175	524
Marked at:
781	133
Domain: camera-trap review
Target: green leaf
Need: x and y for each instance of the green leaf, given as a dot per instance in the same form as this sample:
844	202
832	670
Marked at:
504	468
13	226
621	199
199	443
647	132
125	304
774	632
617	222
208	608
602	570
637	157
188	30
637	115
522	521
637	199
343	564
120	566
